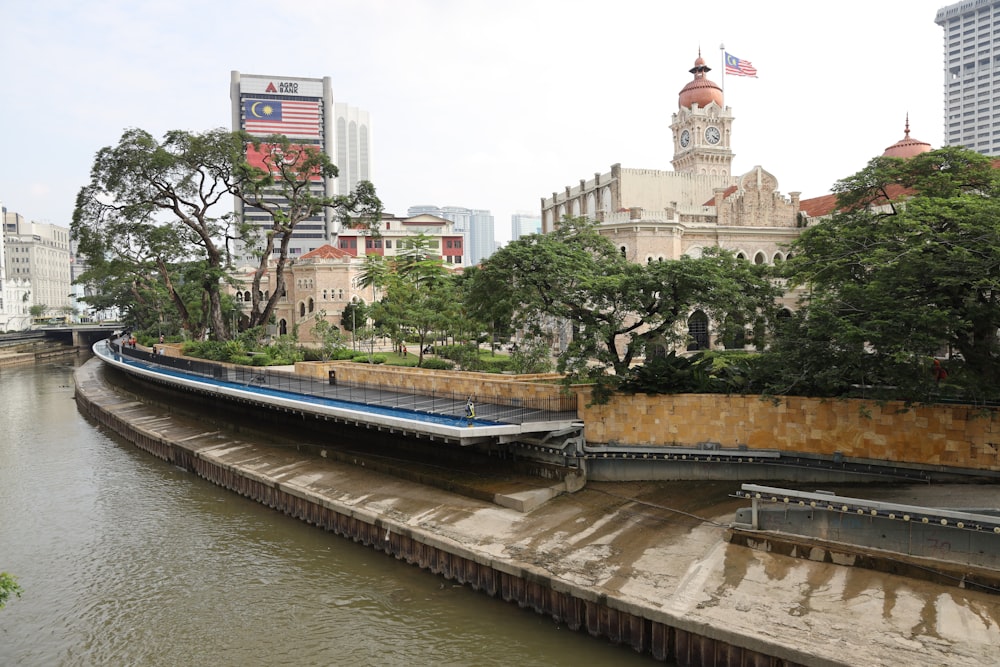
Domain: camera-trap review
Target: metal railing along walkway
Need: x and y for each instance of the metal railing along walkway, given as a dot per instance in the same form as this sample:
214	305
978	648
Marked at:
505	409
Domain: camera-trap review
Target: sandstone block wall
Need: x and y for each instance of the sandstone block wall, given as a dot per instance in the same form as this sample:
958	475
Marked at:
962	436
541	391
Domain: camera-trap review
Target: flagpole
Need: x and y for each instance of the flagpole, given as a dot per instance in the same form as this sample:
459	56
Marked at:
722	56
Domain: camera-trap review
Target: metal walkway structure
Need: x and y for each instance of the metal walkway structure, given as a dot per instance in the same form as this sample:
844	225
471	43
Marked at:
439	418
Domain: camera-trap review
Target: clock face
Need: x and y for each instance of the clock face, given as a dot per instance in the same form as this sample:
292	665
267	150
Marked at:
685	138
712	135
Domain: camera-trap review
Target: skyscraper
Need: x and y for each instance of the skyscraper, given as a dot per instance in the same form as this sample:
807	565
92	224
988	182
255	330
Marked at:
475	224
522	224
971	75
303	110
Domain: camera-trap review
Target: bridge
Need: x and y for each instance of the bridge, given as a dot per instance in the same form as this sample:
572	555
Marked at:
78	336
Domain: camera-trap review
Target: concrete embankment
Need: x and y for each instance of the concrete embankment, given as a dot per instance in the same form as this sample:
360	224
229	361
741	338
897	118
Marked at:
643	564
30	353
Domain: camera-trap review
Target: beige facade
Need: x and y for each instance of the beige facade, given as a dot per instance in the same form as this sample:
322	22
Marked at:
39	253
321	282
325	280
653	215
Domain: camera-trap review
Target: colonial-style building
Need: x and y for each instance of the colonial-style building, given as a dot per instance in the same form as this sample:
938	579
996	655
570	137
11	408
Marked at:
654	215
324	281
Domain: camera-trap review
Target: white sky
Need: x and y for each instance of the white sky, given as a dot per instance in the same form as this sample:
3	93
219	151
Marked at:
473	103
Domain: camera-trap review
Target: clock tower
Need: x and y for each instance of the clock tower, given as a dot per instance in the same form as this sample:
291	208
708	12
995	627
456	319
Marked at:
702	127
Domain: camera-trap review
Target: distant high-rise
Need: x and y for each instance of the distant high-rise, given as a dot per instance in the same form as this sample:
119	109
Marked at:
971	75
522	224
303	110
475	224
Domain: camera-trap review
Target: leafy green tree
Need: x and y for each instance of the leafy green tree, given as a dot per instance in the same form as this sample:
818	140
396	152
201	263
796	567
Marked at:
8	587
169	191
329	336
38	309
289	190
488	304
619	311
354	316
419	301
905	270
151	206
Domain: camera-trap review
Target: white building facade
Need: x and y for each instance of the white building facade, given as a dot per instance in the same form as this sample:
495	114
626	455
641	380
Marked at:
971	74
38	254
523	224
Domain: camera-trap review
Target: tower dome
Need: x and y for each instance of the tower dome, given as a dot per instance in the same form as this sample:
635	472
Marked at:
700	91
907	147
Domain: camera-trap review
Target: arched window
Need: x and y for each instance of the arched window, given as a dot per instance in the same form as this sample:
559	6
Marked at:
239	296
302	309
698	331
759	258
246	296
283	327
312	306
324	295
340	294
624	252
740	255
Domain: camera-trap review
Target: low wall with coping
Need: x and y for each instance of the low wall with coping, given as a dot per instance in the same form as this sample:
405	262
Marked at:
945	435
542	391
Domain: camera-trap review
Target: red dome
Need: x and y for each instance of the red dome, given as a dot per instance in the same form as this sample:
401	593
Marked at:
700	91
907	147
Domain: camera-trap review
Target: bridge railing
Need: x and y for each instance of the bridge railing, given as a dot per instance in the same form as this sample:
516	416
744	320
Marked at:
491	407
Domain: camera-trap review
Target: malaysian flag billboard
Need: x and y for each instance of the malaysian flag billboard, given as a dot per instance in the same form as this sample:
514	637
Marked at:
292	118
267	155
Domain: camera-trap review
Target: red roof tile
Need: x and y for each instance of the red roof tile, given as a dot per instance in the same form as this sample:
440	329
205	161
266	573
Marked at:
326	252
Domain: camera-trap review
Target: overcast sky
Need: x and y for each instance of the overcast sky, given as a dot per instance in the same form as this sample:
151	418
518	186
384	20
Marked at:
474	103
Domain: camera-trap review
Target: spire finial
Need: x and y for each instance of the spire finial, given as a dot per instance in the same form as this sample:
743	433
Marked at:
907	134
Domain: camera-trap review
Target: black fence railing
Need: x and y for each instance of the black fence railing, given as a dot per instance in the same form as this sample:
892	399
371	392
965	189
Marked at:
492	407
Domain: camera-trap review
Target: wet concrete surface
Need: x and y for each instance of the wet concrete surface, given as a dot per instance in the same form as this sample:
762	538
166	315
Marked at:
651	548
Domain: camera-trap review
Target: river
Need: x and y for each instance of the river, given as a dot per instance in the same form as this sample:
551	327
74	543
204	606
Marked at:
127	560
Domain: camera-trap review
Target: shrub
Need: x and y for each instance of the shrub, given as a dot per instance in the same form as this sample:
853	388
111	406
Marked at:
242	360
365	359
495	364
310	354
437	364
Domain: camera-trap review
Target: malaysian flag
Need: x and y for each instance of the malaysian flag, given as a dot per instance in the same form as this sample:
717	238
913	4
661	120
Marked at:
292	118
738	67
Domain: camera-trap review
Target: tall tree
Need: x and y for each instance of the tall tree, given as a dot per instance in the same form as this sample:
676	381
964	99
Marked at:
143	184
618	309
909	267
285	181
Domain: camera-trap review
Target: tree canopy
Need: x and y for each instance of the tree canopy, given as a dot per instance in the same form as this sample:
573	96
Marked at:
158	214
619	311
907	269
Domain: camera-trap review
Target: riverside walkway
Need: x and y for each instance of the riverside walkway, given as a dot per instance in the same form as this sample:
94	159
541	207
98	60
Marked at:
442	418
643	564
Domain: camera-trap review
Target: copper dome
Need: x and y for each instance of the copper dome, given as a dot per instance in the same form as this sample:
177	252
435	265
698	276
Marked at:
907	147
700	91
